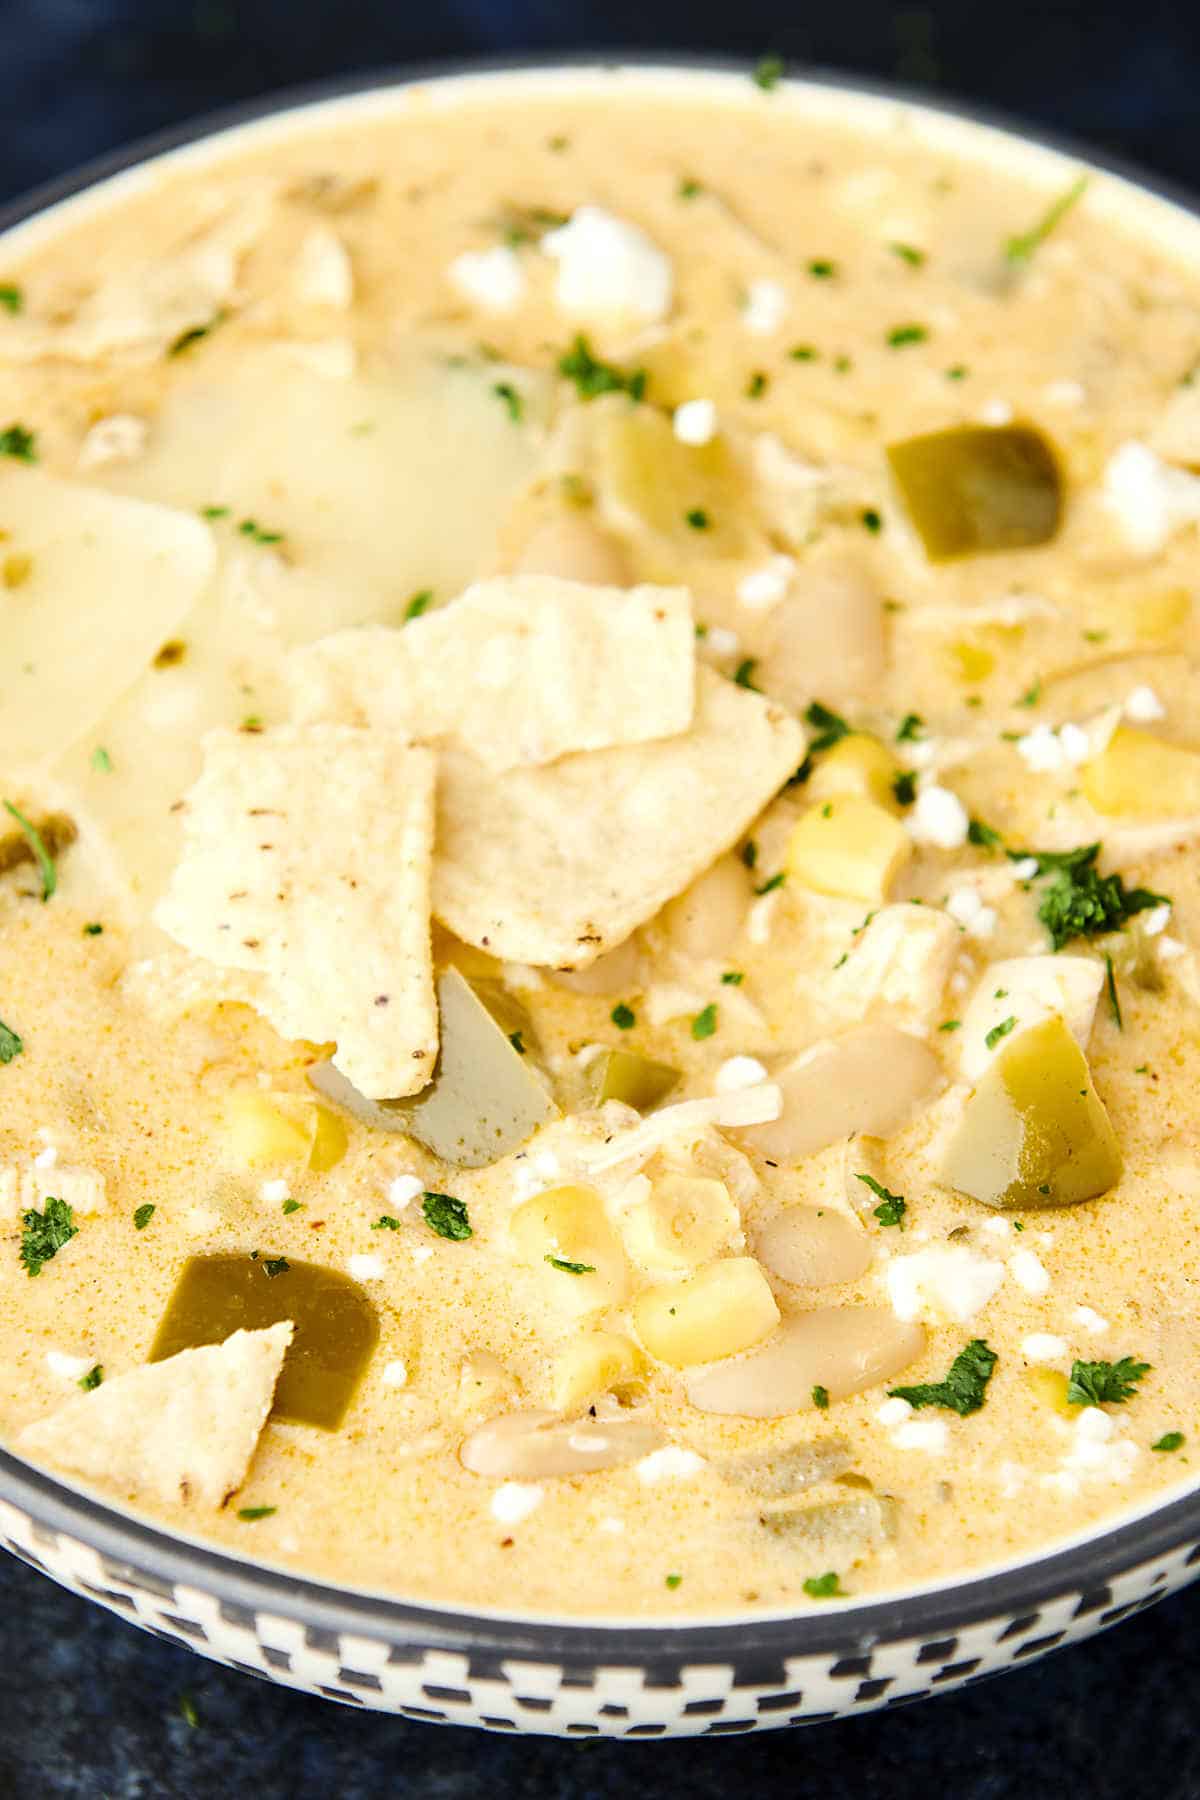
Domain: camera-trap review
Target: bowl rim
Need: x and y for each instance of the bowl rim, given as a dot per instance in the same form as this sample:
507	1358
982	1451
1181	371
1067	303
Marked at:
137	1549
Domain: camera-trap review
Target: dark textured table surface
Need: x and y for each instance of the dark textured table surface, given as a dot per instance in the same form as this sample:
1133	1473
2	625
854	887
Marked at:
90	1707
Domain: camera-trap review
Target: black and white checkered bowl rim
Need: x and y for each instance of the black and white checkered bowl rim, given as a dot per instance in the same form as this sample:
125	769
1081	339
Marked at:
1085	1568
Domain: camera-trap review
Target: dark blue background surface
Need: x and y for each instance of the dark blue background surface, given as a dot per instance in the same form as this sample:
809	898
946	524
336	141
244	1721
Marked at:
88	1706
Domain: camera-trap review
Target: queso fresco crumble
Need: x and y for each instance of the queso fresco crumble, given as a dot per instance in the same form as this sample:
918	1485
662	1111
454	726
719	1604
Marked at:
598	902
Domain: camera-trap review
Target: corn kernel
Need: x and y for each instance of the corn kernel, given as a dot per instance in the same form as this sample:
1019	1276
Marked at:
724	1307
329	1141
687	1219
597	1363
1050	1387
263	1132
566	1232
971	662
849	847
1140	775
860	765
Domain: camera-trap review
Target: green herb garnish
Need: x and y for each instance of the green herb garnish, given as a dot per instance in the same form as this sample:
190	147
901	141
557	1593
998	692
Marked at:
1079	902
950	1025
1019	249
689	187
92	1379
824	1587
768	73
904	787
732	978
143	1216
821	269
623	1017
820	1398
45	1233
893	1207
447	1216
517	1040
673	1581
705	1022
93	929
907	253
18	441
1104	1383
964	1387
291	1206
101	761
756	386
593	377
33	838
999	1031
418	604
697	518
900	335
872	521
985	836
1170	1440
910	728
772	882
571	1268
249	1513
385	1222
11	297
10	1044
504	390
743	675
1113	997
275	1265
194	333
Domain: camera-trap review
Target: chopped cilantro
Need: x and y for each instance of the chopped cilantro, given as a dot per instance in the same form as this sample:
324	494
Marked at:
248	1514
772	882
842	364
93	929
10	1044
101	761
143	1216
504	390
385	1222
1079	902
705	1022
1171	1440
803	353
33	838
985	836
251	723
623	1017
957	372
749	853
824	1587
743	675
593	377
1032	695
517	1040
187	1711
756	386
910	728
907	253
673	1581
963	1389
447	1216
18	441
893	1207
418	604
1101	1383
261	534
92	1379
732	978
1113	997
571	1268
904	787
768	73
11	297
689	187
950	1025
291	1206
275	1265
45	1233
820	1398
697	518
999	1031
193	335
1019	249
214	512
821	269
830	728
900	335
872	521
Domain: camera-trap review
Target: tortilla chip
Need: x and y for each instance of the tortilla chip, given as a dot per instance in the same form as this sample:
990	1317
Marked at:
554	866
176	1432
521	670
68	550
306	866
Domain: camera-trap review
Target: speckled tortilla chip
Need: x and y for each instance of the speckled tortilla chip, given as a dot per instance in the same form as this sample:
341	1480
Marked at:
520	670
180	1432
554	866
306	866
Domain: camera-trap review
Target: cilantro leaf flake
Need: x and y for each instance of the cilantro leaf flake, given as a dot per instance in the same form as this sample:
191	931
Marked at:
1104	1383
447	1216
964	1387
45	1233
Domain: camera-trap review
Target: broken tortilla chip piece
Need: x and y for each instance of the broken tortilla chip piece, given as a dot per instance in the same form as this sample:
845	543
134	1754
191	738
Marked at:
521	669
554	866
178	1432
306	867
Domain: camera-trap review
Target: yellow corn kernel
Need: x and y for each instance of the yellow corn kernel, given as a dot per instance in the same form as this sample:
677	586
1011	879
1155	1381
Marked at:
329	1141
849	847
1140	775
687	1219
263	1130
971	662
566	1232
597	1363
1050	1387
860	765
724	1307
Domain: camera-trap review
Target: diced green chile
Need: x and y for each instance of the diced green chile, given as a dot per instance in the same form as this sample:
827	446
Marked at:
486	1097
635	1080
1035	1132
336	1328
979	487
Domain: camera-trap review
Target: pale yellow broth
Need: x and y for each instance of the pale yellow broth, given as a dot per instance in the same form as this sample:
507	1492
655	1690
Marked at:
1089	342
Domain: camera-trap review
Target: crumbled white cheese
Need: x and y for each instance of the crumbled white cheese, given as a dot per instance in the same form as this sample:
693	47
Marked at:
421	1253
996	412
1090	1320
610	1524
515	1500
764	588
606	266
766	306
939	818
1011	1477
46	1159
893	1411
121	438
323	274
274	1192
1143	706
1043	1347
1064	393
967	909
1155	921
671	1463
930	1435
493	279
198	1221
1025	869
1170	947
695	422
1097	1451
1041	750
997	1227
761	917
367	1268
395	1373
945	1281
739	1072
721	641
67	1368
1029	1272
1148	498
521	975
402	1190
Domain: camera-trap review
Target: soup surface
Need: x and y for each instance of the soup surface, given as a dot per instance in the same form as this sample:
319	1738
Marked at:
598	890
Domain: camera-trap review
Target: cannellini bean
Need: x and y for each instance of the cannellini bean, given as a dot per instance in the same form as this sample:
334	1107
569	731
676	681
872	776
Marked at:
576	550
773	1474
843	1349
706	919
871	1080
827	638
616	972
814	1246
531	1446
